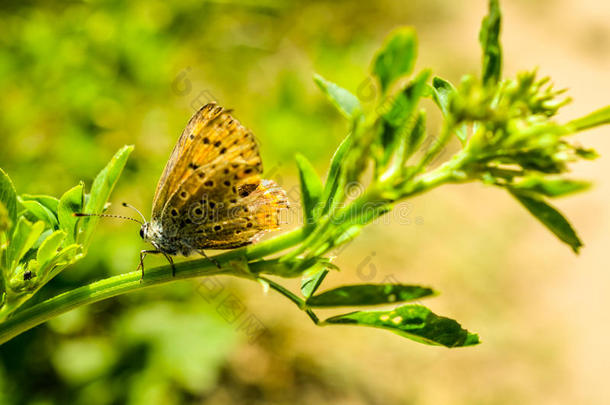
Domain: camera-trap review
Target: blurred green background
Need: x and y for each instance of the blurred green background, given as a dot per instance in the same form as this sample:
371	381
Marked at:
80	79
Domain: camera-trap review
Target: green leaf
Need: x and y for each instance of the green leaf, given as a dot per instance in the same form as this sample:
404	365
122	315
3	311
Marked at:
406	101
418	133
596	118
67	255
346	102
57	263
5	223
25	235
310	283
51	203
101	189
489	37
8	197
333	177
369	294
346	234
584	153
396	58
48	248
551	187
442	93
311	188
550	217
398	122
40	212
353	220
70	203
414	322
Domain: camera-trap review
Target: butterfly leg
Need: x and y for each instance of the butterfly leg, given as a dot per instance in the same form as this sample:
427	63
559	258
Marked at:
171	262
143	254
202	253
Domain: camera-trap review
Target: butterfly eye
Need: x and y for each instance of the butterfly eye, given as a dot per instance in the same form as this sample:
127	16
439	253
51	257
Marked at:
142	233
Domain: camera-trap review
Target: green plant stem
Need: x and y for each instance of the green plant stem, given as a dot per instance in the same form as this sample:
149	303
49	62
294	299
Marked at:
451	171
292	297
26	319
284	291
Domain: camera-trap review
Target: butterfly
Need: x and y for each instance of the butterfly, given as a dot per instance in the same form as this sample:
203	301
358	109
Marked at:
211	195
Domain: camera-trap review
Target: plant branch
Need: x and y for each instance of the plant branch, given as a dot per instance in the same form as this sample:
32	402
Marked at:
26	319
292	297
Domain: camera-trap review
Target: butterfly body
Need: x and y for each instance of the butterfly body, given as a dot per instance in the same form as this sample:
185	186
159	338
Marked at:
210	195
170	245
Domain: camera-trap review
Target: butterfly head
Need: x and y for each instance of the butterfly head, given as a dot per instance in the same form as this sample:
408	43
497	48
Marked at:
148	233
144	230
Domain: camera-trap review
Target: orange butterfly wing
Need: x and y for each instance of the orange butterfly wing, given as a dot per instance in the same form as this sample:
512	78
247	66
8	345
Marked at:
211	134
210	194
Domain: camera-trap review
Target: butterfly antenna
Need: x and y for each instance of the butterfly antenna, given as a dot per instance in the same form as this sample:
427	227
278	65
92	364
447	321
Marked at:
135	209
82	214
